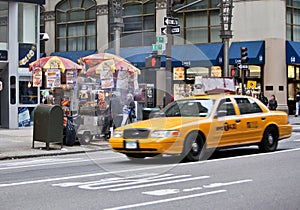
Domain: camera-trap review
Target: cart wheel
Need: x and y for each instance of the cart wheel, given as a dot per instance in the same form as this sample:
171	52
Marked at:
86	138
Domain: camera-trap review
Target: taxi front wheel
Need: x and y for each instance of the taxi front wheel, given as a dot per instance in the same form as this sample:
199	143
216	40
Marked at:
269	141
193	146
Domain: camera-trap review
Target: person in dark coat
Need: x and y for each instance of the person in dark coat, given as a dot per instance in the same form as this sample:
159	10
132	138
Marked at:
272	105
297	98
263	99
116	110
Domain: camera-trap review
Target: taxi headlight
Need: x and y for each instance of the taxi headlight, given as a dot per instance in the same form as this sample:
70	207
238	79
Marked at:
165	133
118	134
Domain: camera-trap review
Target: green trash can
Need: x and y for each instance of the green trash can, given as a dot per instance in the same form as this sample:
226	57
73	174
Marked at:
48	124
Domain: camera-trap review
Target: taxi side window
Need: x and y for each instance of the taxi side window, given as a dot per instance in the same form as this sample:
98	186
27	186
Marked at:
248	106
226	106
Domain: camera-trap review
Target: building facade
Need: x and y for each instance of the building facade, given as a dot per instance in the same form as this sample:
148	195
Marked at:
268	28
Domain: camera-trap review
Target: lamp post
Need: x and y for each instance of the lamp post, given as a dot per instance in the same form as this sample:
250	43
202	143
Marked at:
226	32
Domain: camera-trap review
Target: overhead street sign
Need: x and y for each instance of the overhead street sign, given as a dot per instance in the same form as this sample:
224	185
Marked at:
168	21
174	30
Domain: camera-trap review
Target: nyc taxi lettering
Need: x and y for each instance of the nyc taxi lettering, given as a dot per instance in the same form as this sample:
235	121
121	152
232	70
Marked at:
253	124
226	127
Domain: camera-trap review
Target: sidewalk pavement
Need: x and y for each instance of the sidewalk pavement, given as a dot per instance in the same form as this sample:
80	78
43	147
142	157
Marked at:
17	143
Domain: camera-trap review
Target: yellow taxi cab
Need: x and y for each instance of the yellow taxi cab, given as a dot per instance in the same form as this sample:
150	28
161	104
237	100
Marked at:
191	126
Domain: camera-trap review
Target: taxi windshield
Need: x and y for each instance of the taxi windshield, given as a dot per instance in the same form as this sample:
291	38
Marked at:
189	108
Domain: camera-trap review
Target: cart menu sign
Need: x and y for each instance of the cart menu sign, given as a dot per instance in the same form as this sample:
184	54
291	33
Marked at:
71	77
53	78
37	77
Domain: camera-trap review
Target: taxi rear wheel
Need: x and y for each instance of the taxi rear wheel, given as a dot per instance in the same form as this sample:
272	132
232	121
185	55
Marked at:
193	147
269	141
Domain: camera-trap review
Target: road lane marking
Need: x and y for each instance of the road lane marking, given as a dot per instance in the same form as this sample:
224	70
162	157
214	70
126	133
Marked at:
162	192
108	180
139	169
41	163
129	182
158	183
166	200
213	185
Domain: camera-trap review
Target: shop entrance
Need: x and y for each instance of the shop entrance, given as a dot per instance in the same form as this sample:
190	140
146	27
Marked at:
293	83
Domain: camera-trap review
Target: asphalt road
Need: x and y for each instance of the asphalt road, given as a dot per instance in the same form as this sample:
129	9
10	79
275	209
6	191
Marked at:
239	178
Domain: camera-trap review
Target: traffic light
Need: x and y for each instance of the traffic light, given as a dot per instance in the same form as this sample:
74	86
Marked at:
235	72
244	55
153	61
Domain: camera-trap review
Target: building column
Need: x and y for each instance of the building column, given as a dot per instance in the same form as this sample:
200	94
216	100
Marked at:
13	66
50	30
275	72
102	27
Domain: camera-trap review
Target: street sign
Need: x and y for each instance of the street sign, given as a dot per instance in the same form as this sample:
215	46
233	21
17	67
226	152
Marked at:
156	47
174	30
168	21
160	39
243	66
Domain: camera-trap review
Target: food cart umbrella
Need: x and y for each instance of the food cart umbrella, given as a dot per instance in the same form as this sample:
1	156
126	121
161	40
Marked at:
53	62
119	63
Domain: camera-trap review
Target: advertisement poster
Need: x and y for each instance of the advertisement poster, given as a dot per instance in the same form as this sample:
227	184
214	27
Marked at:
71	77
53	78
178	73
37	77
122	81
107	80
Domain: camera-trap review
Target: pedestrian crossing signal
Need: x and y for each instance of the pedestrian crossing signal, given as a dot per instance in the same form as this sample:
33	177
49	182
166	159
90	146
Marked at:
235	72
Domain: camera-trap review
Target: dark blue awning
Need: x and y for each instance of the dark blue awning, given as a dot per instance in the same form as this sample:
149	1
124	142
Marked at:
256	52
74	55
292	52
191	55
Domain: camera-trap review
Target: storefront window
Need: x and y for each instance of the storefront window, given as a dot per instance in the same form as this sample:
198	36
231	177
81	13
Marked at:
27	93
191	73
255	71
291	72
293	20
3	25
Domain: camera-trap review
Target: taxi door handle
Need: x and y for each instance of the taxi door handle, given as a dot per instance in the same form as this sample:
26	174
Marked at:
238	120
263	118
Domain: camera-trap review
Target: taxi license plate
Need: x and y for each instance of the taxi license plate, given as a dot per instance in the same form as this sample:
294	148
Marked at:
131	145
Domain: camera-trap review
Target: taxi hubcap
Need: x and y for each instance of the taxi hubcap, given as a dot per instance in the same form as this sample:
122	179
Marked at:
270	139
195	147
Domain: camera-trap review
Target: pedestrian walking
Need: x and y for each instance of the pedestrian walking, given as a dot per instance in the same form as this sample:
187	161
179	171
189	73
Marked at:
128	110
272	105
297	101
116	110
263	98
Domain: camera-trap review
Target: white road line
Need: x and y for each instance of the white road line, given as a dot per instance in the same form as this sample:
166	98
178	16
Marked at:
52	163
166	200
213	185
158	183
139	169
129	182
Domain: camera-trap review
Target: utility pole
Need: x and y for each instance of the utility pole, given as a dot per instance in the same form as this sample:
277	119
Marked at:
168	71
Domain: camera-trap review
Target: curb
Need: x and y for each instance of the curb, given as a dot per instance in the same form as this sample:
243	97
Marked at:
10	157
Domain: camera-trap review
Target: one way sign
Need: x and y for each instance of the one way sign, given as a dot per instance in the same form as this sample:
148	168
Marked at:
170	21
174	30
